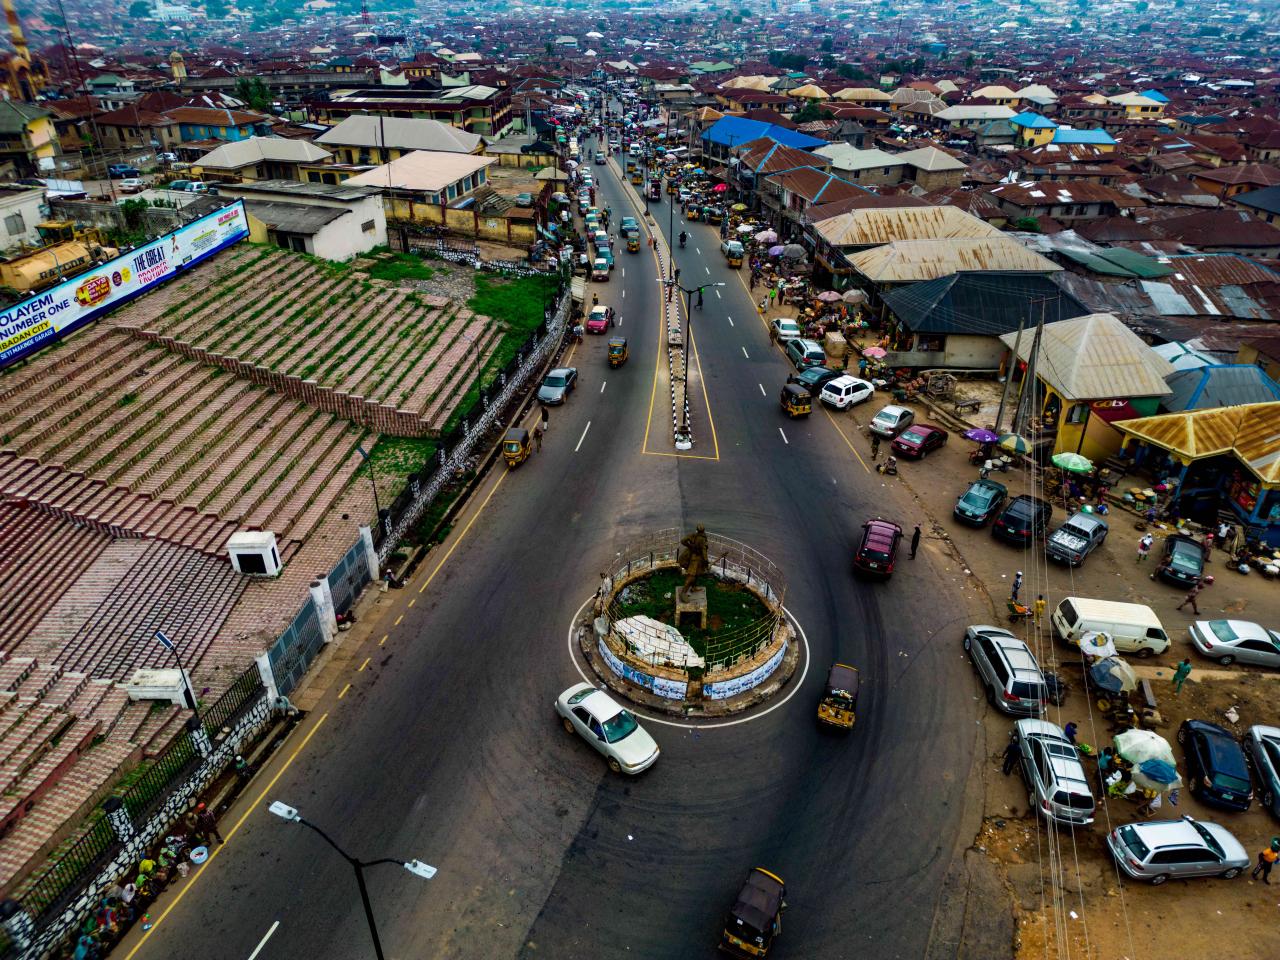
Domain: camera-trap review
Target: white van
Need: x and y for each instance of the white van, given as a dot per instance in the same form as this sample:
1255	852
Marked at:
1133	627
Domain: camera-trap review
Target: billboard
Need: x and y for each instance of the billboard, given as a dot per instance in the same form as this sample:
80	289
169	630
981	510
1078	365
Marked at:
40	320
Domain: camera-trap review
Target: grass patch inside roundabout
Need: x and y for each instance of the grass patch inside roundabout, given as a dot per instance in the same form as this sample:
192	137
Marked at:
730	606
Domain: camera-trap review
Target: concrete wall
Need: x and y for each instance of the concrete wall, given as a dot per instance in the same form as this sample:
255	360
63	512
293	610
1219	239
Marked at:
467	223
19	214
358	231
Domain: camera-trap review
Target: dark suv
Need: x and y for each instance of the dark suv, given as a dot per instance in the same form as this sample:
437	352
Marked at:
1216	767
877	548
814	379
1024	518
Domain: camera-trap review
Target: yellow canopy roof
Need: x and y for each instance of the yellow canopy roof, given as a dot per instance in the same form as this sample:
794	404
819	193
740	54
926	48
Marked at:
1251	431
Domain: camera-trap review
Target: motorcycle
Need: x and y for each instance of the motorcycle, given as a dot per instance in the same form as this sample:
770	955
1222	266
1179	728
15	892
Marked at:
683	239
889	467
1000	465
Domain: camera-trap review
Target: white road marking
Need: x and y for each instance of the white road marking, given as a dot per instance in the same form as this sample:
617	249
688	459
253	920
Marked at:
624	271
730	319
717	290
583	437
698	250
784	437
624	294
603	384
745	354
706	268
263	942
761	386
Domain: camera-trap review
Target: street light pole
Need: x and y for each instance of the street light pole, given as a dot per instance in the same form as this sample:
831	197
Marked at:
187	693
684	341
416	867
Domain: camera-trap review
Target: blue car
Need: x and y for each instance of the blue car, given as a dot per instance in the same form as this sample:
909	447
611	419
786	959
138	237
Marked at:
980	502
1217	771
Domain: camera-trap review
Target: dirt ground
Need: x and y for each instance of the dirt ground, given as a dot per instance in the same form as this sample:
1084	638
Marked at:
1067	895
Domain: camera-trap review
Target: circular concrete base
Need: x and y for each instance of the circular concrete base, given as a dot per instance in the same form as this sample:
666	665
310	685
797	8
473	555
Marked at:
592	668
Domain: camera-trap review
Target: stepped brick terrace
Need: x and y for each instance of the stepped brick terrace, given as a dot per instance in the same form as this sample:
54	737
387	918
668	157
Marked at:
232	399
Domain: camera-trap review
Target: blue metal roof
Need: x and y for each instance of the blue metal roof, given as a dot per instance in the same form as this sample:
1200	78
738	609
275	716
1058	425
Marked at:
1032	121
735	131
1222	385
1155	95
1072	135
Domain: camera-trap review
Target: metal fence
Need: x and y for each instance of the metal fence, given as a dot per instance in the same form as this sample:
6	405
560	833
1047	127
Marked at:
495	402
730	561
61	881
348	578
293	652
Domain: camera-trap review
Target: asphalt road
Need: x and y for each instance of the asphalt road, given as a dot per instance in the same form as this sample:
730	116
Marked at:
446	747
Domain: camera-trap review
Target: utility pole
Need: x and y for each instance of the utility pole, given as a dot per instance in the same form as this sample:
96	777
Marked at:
1026	398
1008	374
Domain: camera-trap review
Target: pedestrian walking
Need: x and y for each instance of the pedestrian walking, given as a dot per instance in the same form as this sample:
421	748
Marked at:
773	294
1144	547
875	446
538	429
207	823
764	305
1206	546
915	541
1180	674
1012	754
1267	858
1191	598
1017	585
1070	731
1038	608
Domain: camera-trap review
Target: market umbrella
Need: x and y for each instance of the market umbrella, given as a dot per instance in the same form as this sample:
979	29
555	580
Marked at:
1014	443
1113	675
738	207
560	197
979	435
793	251
829	296
875	353
1157	775
1072	462
745	228
854	296
720	188
767	236
775	251
1138	745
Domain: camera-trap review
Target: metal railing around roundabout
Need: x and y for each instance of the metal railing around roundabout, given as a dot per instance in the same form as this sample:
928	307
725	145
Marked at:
730	561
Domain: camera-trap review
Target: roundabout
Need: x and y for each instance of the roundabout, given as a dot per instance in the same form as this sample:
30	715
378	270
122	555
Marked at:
692	627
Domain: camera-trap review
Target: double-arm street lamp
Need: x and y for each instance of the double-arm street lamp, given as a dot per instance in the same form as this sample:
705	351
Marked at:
416	867
688	292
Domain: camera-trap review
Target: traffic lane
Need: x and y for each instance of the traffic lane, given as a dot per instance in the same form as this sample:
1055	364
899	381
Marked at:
559	488
438	755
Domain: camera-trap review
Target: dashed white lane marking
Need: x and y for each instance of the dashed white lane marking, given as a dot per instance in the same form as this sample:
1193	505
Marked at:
718	297
761	386
706	268
784	437
263	942
583	437
603	384
745	354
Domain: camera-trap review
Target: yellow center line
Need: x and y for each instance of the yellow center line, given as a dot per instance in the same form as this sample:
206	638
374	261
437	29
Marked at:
344	691
363	665
398	619
465	530
702	381
846	440
230	833
383	640
412	602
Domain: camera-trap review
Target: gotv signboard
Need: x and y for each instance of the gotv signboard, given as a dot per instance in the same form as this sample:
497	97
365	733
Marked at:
39	321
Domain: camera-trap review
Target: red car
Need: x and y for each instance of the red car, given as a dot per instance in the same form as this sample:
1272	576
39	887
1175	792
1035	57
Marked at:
598	321
877	548
916	441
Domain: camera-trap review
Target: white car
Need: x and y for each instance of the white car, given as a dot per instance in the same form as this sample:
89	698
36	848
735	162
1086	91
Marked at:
784	329
844	392
593	715
1230	640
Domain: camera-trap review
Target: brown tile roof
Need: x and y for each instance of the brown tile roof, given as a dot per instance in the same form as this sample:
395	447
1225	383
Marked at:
215	118
1262	174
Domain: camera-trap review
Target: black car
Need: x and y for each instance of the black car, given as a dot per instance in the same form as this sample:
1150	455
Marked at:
1216	768
1025	518
1181	560
980	502
814	378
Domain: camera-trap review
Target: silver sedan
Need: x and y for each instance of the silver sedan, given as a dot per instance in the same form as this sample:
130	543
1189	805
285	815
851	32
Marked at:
1230	640
1262	744
611	729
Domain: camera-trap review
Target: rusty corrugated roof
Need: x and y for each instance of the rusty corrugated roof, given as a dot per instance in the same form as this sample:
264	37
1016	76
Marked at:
870	226
905	261
1251	432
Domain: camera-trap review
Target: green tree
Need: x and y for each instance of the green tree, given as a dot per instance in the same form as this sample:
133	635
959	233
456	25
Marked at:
810	112
253	92
826	45
139	9
1026	225
216	9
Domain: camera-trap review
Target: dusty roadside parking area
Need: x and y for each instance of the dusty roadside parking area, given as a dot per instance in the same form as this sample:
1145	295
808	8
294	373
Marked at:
1067	895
